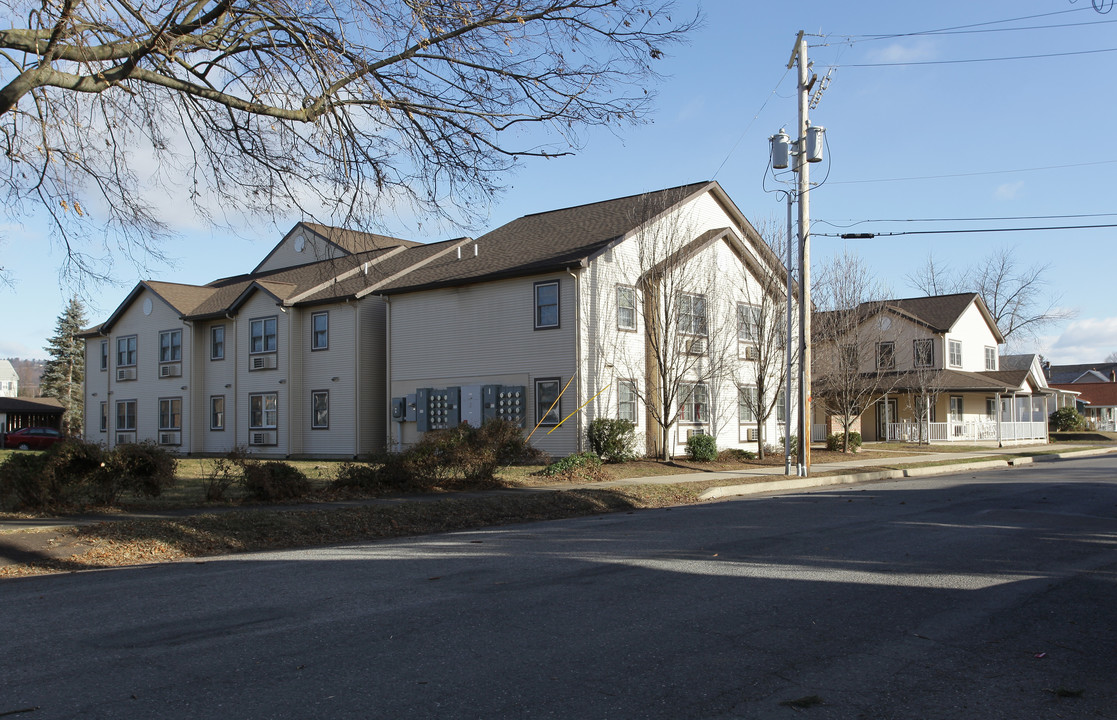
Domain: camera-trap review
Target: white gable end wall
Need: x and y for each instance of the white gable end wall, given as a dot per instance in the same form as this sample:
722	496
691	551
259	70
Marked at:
974	333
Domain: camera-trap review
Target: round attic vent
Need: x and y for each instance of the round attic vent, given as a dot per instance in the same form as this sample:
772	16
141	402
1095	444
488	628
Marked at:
147	306
300	243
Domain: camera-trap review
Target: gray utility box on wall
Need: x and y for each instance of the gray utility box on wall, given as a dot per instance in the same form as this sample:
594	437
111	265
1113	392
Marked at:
441	408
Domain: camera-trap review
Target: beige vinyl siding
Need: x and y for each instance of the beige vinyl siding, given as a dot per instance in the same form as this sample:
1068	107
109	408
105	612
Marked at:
315	249
213	378
261	381
148	387
96	390
482	334
318	369
370	367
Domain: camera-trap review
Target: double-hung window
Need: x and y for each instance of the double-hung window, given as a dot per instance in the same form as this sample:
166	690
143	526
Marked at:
263	411
320	409
125	414
692	314
170	413
546	304
955	347
170	346
695	402
923	351
886	355
746	405
126	351
626	307
748	323
217	412
547	407
263	334
217	342
320	331
626	400
990	358
104	354
781	406
104	417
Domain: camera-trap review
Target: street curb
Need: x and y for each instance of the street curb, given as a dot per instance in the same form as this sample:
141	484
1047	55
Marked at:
760	488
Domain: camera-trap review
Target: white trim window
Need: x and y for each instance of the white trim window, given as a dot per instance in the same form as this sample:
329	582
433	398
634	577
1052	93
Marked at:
320	410
626	400
126	415
694	403
263	411
320	331
923	352
217	412
748	323
781	407
126	351
104	354
104	417
746	405
170	346
217	342
546	304
692	314
170	413
264	335
626	307
955	353
990	358
547	395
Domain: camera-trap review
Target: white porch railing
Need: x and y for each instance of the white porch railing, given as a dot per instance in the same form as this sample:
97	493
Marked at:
968	431
1103	425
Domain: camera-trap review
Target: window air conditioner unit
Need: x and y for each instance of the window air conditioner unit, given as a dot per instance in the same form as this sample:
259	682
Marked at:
752	352
126	373
170	370
123	438
692	433
170	438
263	362
696	346
753	434
262	437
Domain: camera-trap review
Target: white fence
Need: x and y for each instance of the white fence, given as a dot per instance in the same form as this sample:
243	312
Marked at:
969	431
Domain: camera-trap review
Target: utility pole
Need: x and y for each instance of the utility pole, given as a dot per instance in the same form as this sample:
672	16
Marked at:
804	262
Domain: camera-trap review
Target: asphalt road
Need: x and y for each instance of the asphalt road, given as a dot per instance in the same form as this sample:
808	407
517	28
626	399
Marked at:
989	595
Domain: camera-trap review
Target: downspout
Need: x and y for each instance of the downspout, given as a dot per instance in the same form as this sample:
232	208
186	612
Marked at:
190	389
1000	420
577	357
398	442
356	378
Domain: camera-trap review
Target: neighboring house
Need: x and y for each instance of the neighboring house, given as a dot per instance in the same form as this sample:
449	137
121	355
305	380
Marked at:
939	375
1098	402
9	380
1082	373
287	359
16	413
560	302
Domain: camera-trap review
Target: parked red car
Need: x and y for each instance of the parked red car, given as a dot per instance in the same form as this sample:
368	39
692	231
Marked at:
33	438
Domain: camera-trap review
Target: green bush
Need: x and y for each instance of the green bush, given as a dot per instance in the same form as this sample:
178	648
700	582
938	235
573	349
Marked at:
702	448
579	467
612	439
1067	419
67	473
26	477
778	450
144	468
834	441
223	474
273	480
358	476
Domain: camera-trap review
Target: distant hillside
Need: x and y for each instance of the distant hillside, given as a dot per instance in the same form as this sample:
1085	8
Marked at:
29	372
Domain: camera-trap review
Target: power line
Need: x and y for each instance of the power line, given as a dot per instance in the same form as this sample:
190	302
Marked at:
865	38
869	236
852	223
979	60
754	117
935	33
973	174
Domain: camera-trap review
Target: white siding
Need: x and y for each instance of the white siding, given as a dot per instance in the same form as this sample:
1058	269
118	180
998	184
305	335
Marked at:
217	377
250	382
975	335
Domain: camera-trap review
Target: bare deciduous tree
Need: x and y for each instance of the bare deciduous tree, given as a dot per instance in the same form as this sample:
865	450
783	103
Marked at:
847	372
1015	295
352	106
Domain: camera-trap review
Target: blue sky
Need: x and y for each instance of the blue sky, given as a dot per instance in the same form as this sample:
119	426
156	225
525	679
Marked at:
1016	138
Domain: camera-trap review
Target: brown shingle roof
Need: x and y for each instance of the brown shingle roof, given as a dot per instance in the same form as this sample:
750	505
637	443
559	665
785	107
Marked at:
544	242
355	241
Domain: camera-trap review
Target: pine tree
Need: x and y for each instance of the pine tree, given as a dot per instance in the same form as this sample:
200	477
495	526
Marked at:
64	373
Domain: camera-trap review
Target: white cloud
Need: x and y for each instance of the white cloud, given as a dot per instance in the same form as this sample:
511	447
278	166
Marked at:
1008	191
1084	341
907	51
